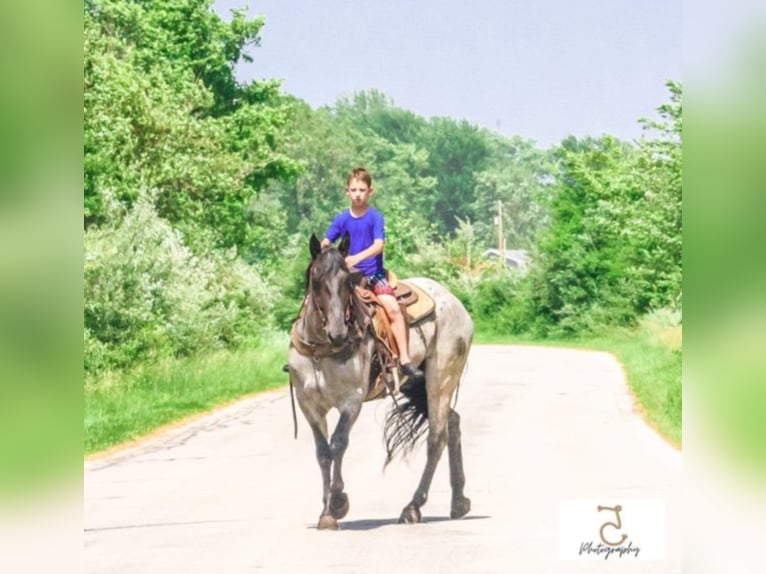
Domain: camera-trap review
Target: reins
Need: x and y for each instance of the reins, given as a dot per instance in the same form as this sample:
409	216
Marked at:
320	350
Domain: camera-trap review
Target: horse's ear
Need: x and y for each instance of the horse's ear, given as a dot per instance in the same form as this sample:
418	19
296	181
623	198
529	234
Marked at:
314	246
345	243
356	277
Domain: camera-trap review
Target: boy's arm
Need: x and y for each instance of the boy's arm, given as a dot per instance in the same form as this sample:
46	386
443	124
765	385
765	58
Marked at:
373	250
333	232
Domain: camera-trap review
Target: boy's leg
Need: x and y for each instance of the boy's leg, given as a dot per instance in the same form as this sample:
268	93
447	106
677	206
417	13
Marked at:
399	328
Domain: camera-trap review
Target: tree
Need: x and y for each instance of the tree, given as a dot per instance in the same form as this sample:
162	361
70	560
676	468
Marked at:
583	257
163	111
613	251
519	175
456	151
374	111
659	165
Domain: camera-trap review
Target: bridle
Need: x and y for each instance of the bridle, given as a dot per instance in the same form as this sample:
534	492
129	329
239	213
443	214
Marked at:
357	321
321	349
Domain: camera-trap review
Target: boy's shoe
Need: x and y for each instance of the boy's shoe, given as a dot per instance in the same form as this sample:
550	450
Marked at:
412	373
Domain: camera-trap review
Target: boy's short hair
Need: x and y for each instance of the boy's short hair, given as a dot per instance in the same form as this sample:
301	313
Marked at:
361	174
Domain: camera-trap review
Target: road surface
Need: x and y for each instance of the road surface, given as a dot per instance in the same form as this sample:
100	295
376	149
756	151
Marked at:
234	492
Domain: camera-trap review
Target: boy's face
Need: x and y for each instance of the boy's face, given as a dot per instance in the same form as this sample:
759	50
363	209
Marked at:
358	192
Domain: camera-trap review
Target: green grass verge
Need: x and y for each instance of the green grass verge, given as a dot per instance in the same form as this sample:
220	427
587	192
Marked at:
651	357
125	406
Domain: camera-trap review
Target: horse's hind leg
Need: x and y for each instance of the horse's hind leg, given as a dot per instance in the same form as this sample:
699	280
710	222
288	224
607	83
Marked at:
460	504
437	440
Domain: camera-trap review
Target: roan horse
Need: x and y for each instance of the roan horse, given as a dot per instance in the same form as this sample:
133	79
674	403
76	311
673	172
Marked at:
330	360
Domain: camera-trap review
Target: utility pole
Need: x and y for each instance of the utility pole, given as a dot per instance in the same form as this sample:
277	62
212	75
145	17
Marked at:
500	238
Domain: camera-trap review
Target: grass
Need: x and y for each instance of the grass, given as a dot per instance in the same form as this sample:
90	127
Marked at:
650	354
125	406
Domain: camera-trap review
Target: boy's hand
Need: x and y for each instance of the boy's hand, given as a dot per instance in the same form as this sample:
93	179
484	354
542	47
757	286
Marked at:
351	261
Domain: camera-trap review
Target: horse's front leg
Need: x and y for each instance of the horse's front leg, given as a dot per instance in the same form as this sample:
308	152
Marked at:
338	505
324	458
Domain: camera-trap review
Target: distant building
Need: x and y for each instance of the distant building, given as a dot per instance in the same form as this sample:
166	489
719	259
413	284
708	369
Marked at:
514	258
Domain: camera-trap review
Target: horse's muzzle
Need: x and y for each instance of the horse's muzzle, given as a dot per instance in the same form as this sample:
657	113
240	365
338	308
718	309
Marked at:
337	339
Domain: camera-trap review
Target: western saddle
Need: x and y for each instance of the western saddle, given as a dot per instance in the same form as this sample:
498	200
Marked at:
416	305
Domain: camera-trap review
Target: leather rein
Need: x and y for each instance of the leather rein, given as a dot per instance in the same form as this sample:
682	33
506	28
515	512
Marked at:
320	350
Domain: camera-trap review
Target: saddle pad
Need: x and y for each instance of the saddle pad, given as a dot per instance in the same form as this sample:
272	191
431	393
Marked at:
422	308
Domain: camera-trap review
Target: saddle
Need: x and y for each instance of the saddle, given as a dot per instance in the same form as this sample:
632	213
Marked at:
416	305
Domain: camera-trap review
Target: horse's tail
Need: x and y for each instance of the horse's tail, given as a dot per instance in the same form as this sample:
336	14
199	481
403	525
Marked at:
406	422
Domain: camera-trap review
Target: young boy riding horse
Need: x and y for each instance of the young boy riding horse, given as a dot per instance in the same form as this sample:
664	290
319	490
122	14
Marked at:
366	228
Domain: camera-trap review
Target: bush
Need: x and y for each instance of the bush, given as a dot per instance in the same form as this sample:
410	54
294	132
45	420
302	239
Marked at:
499	302
148	295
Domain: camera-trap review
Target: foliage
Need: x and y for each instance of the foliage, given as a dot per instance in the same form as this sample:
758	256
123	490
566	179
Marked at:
147	295
583	255
240	175
163	111
613	251
498	302
659	257
324	152
520	176
457	151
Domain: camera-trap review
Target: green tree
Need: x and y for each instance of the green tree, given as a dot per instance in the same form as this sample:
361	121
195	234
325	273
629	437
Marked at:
519	175
457	151
163	111
613	251
324	149
583	256
374	111
659	230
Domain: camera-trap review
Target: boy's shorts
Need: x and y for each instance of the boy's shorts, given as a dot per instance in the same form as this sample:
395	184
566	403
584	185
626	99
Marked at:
379	284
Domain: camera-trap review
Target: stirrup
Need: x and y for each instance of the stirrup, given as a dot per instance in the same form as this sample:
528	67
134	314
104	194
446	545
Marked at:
412	372
397	381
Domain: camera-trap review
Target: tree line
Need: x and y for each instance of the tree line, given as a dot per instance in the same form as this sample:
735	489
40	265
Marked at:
201	192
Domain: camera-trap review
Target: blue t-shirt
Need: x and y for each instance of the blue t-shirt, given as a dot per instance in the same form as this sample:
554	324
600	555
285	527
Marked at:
363	231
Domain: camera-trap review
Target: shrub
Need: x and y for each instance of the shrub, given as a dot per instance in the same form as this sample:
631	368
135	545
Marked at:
148	295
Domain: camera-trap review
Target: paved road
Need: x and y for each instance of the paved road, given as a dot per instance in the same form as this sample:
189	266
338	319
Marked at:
233	492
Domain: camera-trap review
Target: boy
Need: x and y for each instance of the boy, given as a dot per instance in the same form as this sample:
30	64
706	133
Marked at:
366	228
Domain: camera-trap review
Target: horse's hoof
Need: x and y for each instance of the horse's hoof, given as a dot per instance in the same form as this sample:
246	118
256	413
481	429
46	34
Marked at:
327	522
410	515
460	507
339	505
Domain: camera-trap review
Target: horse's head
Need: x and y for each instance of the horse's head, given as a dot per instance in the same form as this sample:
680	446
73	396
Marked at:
330	286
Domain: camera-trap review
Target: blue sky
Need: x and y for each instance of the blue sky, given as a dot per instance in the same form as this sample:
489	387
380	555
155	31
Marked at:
542	69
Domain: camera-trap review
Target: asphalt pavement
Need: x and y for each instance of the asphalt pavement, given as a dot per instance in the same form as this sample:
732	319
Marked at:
232	491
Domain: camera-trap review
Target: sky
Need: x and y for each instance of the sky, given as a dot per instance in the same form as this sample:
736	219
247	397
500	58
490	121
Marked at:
541	69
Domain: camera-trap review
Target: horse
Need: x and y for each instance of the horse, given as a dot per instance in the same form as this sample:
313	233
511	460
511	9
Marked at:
331	354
